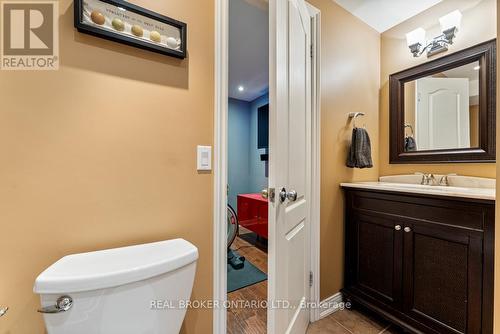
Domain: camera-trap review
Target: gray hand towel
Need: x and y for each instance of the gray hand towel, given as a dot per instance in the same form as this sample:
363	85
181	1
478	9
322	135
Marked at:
410	144
360	153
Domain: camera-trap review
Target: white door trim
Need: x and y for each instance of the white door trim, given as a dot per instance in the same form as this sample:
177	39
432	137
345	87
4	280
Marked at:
316	159
220	163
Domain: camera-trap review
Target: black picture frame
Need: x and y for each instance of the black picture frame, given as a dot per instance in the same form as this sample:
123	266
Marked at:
121	38
485	54
263	127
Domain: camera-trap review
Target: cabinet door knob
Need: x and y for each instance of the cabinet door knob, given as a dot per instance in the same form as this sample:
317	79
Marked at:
407	229
397	227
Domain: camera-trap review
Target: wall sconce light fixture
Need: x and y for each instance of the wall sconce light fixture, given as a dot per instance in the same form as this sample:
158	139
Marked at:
450	24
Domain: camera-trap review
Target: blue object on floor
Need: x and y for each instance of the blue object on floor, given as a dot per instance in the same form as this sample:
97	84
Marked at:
248	275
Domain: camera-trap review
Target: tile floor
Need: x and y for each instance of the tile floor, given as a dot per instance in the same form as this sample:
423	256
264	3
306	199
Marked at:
352	322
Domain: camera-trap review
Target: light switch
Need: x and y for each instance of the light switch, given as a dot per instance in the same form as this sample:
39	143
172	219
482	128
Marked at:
204	157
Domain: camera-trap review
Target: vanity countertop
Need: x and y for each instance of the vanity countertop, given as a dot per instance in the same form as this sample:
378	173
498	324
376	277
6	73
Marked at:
449	191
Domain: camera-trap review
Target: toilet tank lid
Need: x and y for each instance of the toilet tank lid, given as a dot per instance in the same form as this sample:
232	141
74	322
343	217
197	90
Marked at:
114	267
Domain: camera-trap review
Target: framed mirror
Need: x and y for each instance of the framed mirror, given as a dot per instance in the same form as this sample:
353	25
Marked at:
445	110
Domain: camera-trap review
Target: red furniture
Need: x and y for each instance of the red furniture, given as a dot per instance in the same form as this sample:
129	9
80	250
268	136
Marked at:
252	213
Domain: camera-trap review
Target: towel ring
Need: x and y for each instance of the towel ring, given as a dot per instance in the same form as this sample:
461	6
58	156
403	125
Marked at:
354	115
407	125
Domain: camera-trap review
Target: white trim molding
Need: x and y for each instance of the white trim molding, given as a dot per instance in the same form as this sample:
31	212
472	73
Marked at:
331	305
316	157
220	163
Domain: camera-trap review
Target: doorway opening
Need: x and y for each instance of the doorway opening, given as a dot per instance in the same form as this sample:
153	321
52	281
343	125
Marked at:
247	165
293	95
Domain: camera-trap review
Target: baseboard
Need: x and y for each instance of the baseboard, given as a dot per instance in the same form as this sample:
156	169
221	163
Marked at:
330	305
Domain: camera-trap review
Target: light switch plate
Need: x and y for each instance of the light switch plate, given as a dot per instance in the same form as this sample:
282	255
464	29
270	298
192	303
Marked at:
204	157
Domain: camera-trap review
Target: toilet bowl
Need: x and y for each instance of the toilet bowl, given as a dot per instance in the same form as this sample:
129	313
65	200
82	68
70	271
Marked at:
138	289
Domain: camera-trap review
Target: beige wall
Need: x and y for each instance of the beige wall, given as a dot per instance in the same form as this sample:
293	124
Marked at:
478	25
350	82
102	153
409	94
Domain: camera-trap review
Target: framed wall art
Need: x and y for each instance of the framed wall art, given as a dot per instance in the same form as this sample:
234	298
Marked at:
126	23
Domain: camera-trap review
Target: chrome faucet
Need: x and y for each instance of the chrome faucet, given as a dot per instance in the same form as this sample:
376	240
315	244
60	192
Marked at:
429	180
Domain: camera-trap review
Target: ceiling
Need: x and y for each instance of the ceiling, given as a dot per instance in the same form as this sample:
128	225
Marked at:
385	14
248	49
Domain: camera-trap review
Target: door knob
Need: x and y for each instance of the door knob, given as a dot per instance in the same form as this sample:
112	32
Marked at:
290	195
407	229
268	194
397	227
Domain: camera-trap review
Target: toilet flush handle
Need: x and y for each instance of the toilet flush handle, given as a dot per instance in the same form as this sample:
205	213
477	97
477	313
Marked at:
63	304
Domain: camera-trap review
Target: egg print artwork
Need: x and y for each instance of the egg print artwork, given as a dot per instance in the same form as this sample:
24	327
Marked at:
118	24
172	43
155	36
137	30
97	17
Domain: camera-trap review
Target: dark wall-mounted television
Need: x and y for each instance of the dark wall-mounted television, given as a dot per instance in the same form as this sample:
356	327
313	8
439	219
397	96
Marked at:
263	126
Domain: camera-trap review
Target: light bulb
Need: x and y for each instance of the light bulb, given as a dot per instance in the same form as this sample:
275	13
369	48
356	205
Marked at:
416	36
451	20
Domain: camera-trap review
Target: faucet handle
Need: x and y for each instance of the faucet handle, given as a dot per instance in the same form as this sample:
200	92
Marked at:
443	181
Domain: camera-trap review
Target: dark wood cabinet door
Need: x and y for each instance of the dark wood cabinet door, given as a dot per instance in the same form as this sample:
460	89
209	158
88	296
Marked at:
376	267
442	281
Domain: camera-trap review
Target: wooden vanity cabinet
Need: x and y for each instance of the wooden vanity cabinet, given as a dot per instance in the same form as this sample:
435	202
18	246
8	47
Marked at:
423	262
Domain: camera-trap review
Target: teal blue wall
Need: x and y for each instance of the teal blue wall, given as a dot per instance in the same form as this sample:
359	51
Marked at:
239	116
246	172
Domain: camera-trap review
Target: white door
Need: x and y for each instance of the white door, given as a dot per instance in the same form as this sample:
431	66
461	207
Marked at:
442	118
290	166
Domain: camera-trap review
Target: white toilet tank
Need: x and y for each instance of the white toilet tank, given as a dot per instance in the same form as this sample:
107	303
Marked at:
129	290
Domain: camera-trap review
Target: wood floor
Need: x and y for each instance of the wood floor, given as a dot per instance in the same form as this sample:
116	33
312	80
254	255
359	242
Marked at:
253	320
249	320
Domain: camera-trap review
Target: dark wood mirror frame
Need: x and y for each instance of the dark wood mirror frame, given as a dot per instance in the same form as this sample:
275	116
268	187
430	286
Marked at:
485	53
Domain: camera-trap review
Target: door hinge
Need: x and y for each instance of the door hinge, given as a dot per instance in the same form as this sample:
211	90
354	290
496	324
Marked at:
312	50
310	279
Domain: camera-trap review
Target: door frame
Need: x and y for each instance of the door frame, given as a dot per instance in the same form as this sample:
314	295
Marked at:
220	160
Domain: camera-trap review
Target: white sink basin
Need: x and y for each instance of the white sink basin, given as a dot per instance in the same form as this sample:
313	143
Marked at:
479	188
453	180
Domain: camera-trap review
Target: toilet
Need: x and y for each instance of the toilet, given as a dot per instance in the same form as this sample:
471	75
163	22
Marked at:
141	289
